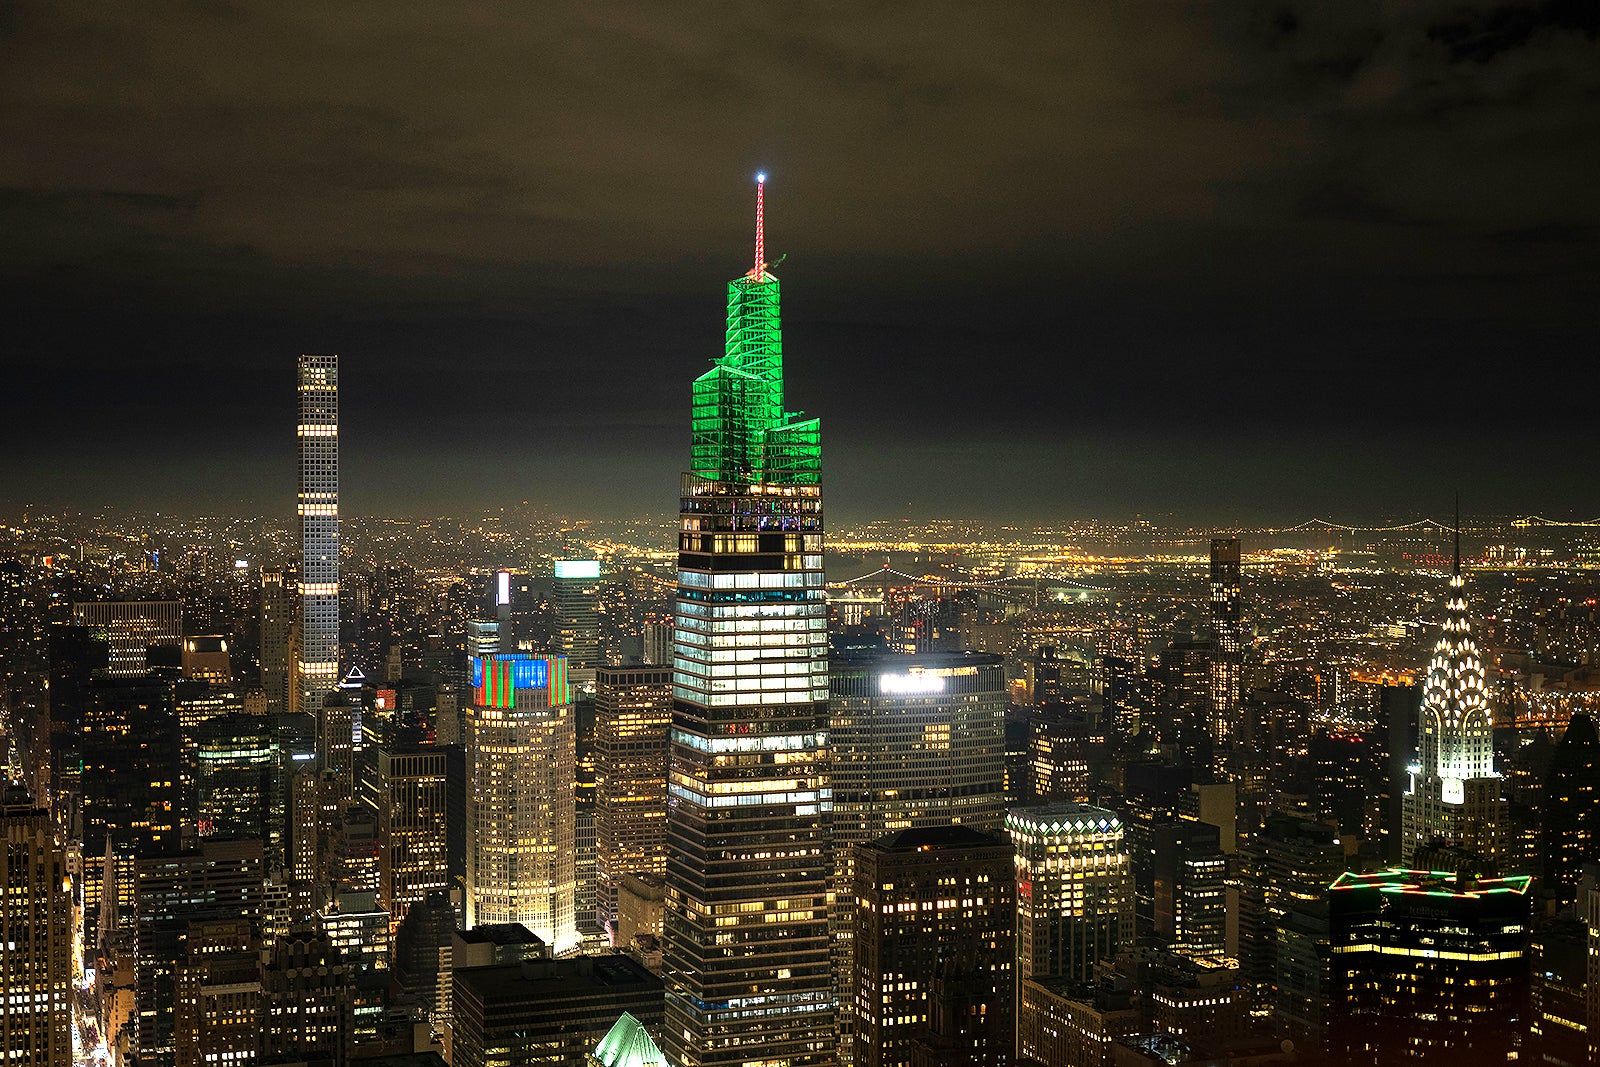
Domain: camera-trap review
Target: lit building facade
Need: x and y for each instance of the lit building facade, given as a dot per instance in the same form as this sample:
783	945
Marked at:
633	712
1074	893
746	954
1571	823
1427	966
916	741
1227	636
933	914
277	626
318	505
129	628
521	767
1456	794
575	596
36	952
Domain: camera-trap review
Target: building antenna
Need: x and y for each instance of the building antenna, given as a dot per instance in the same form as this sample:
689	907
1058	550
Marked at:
761	244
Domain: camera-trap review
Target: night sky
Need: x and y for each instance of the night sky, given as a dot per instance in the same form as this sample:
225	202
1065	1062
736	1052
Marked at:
1221	261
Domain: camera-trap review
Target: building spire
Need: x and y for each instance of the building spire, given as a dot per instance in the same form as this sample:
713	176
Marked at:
1458	534
761	250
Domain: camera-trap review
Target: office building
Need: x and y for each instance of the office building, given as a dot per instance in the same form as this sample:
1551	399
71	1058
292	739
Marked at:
307	1001
205	658
359	929
235	756
1074	889
36	950
1456	795
1571	815
217	1011
219	880
547	1013
1191	894
1291	862
521	755
1558	1003
748	853
130	628
279	618
1076	1024
575	598
633	711
318	505
411	825
129	751
1075	897
1427	966
916	741
933	916
1297	999
1227	640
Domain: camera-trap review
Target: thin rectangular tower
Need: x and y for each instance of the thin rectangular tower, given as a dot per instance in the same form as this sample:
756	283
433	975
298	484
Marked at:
745	952
318	430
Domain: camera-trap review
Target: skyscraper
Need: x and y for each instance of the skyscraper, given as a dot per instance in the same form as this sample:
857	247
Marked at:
575	595
1074	892
1572	808
1427	967
521	755
1456	794
745	950
633	711
318	431
916	741
1227	637
277	624
933	912
36	951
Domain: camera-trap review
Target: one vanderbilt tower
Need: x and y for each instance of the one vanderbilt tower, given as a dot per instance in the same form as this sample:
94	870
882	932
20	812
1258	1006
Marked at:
748	859
318	431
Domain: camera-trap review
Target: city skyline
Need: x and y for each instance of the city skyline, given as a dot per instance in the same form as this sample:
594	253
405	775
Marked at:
1076	262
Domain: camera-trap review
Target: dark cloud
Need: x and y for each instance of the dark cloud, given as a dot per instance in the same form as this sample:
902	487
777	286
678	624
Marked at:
1184	221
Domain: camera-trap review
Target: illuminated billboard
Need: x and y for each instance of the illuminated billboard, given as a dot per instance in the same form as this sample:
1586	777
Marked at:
503	588
577	568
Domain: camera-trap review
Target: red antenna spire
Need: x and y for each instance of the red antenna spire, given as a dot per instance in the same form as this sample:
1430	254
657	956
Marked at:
761	251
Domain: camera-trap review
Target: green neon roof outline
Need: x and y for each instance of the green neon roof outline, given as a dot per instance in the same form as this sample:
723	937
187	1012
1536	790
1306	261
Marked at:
627	1044
741	432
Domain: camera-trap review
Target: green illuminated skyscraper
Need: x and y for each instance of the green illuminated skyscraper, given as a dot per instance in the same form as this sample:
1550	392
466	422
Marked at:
745	953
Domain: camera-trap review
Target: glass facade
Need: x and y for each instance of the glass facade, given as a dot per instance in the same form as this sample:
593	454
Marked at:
746	951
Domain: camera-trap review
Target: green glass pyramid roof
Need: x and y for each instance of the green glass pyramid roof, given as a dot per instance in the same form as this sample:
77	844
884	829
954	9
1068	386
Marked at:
627	1045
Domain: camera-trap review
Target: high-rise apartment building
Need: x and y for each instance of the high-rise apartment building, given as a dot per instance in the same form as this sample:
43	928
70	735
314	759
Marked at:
933	915
318	505
745	951
633	712
1227	639
575	596
307	1000
1456	795
521	834
36	946
1427	967
129	628
1074	893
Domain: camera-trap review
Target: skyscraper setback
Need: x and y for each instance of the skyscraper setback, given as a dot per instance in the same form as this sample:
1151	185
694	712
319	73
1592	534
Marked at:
748	859
318	432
